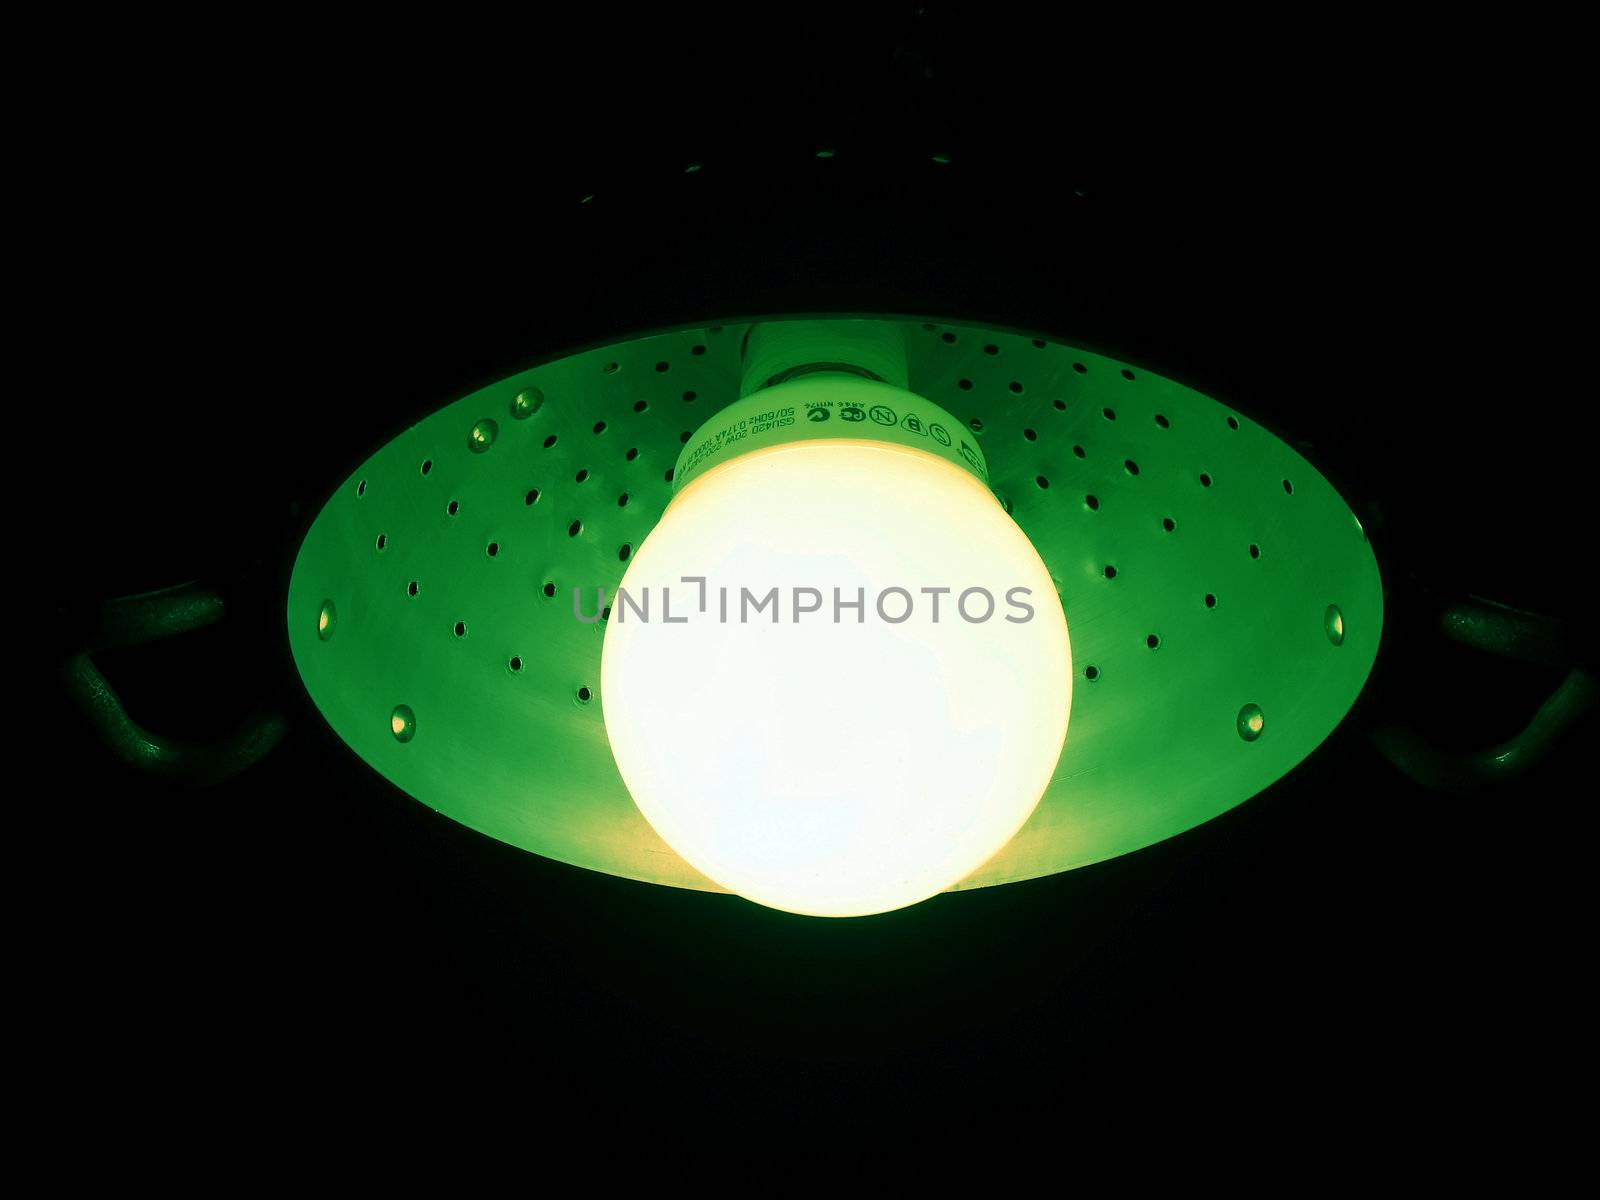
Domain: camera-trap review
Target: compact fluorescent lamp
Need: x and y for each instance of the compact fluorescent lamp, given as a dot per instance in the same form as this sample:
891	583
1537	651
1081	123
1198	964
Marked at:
895	719
782	609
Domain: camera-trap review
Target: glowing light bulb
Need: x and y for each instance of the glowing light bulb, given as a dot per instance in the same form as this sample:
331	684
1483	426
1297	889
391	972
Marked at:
836	676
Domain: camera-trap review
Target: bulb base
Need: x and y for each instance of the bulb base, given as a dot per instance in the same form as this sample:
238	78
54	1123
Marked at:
828	405
775	352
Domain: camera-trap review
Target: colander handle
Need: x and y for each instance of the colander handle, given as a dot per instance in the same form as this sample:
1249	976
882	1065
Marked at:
136	620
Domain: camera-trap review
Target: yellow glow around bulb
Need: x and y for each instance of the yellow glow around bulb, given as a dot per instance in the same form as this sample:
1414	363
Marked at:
845	766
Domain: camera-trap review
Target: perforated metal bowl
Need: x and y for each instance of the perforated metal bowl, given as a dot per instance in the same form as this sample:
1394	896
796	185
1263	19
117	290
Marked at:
1224	603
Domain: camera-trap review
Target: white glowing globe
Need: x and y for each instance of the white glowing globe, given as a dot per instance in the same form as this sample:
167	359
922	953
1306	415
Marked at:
837	761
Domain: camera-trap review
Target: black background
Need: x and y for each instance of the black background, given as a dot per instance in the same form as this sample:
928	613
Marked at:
1355	235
